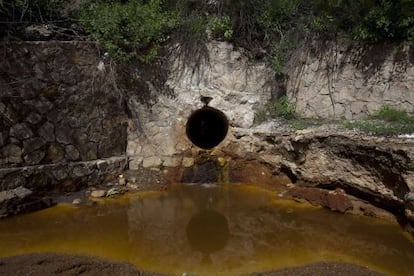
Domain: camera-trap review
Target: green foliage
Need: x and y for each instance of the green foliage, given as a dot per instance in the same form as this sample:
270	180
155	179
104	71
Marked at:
390	114
367	19
381	128
386	121
131	30
281	108
221	28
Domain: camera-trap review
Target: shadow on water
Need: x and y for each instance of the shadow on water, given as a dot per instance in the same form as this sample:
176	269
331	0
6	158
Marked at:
210	230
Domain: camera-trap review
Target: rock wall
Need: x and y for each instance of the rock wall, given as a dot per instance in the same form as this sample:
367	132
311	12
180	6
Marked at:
237	86
56	107
338	79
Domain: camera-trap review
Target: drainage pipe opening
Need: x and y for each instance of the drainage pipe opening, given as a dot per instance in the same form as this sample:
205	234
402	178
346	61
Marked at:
207	127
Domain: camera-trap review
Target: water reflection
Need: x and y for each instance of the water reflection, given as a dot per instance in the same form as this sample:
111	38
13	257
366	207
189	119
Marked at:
237	229
208	232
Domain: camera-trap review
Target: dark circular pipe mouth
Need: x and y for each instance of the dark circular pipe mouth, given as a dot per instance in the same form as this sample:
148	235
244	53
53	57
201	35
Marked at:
207	127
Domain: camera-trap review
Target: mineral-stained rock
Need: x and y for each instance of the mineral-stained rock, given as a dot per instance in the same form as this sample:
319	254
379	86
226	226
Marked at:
335	200
172	161
55	153
188	162
46	131
21	131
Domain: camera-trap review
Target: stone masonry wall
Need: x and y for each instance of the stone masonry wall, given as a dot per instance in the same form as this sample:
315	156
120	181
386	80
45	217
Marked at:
351	80
56	107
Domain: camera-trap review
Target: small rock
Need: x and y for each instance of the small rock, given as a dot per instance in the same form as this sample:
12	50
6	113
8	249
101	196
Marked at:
33	144
76	201
33	118
188	162
152	162
47	132
121	180
21	131
112	192
172	162
409	197
72	153
102	165
22	192
6	195
60	174
34	157
132	186
135	163
80	171
55	153
63	135
12	153
98	193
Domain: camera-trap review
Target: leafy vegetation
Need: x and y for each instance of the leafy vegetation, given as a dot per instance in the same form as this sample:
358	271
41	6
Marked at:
366	19
386	121
221	27
134	29
269	29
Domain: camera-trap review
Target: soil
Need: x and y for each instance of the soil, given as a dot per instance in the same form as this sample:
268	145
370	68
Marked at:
322	268
62	264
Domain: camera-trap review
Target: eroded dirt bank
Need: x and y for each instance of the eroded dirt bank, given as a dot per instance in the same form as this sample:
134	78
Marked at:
377	170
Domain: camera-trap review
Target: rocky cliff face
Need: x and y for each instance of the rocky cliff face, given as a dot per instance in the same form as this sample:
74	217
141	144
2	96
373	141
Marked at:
350	80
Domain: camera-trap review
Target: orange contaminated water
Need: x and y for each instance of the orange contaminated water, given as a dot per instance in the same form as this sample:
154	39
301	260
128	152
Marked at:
210	230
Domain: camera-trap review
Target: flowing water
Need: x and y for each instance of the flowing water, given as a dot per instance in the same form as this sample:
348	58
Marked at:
210	230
